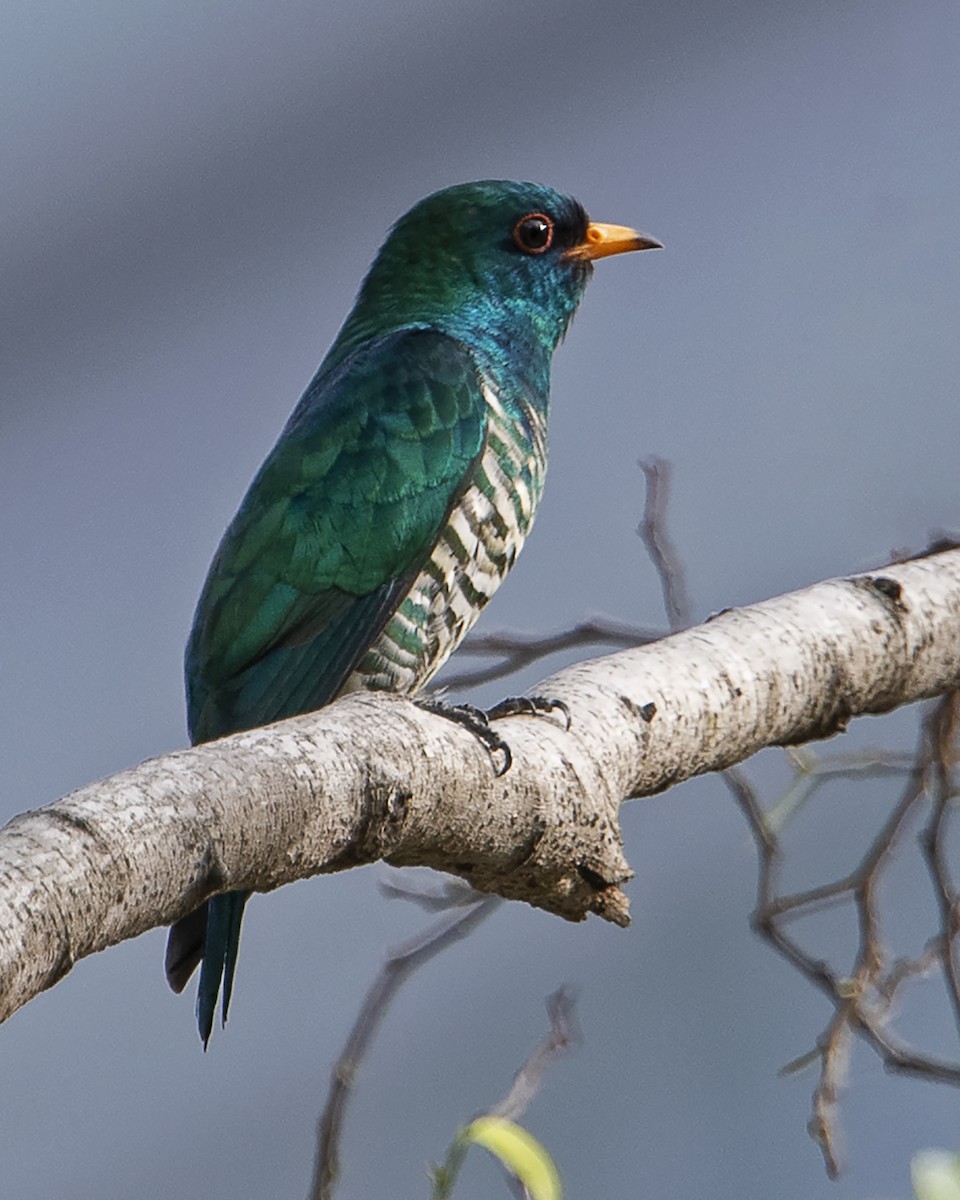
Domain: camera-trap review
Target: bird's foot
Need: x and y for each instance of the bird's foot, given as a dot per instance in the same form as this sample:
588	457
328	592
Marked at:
529	706
478	721
474	719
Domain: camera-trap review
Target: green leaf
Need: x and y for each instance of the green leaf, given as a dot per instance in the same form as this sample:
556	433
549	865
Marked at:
936	1175
521	1153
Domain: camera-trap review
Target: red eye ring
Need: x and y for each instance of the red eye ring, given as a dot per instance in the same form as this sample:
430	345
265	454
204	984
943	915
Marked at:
533	233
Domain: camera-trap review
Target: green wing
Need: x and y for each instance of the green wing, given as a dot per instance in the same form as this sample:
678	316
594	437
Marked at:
333	530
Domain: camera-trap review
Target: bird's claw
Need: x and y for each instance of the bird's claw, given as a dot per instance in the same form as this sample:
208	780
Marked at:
478	722
529	706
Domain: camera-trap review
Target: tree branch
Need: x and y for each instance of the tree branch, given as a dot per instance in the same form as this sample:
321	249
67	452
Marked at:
375	777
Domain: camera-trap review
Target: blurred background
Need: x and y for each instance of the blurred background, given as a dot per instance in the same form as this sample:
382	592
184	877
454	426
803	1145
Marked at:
189	197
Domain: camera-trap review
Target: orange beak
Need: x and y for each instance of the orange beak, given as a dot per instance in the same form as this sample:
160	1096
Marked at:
602	240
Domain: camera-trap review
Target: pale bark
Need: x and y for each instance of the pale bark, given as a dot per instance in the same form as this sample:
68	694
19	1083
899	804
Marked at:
374	776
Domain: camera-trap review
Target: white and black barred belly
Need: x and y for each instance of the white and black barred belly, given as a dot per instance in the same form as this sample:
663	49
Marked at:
483	535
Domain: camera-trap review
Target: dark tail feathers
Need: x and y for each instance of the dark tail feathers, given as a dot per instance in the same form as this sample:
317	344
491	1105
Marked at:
211	935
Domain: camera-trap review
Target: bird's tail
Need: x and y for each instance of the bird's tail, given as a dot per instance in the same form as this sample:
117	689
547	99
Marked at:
209	936
224	917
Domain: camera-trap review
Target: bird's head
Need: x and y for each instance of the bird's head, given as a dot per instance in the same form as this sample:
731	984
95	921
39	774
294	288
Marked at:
488	261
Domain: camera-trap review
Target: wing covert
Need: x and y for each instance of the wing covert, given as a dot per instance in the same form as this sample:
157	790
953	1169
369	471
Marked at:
333	529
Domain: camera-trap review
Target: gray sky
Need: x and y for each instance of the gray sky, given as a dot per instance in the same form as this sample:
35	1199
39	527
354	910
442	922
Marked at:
189	197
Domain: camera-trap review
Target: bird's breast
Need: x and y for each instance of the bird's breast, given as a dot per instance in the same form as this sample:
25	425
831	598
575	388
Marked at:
478	544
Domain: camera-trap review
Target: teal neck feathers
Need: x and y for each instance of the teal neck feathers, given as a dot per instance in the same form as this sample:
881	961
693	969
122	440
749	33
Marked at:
454	268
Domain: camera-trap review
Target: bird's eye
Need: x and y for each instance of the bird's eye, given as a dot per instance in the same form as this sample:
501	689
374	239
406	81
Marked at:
533	233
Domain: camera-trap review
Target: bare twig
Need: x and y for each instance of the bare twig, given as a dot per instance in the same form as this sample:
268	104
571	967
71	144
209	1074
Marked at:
933	840
561	1036
904	969
863	998
443	896
518	650
834	1048
400	964
663	554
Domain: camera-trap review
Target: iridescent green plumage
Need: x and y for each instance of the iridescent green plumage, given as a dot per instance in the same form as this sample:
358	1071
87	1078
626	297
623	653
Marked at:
333	531
400	491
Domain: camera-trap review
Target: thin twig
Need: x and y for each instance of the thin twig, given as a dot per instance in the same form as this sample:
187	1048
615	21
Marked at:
519	650
663	554
563	1033
934	837
904	969
862	998
834	1048
441	897
400	964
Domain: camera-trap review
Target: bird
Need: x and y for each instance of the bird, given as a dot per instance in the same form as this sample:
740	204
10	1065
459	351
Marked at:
399	493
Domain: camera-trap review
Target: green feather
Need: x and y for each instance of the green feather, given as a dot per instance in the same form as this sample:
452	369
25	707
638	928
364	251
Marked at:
339	518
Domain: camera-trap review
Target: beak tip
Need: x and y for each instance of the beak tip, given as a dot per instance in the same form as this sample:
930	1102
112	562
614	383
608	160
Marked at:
602	240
